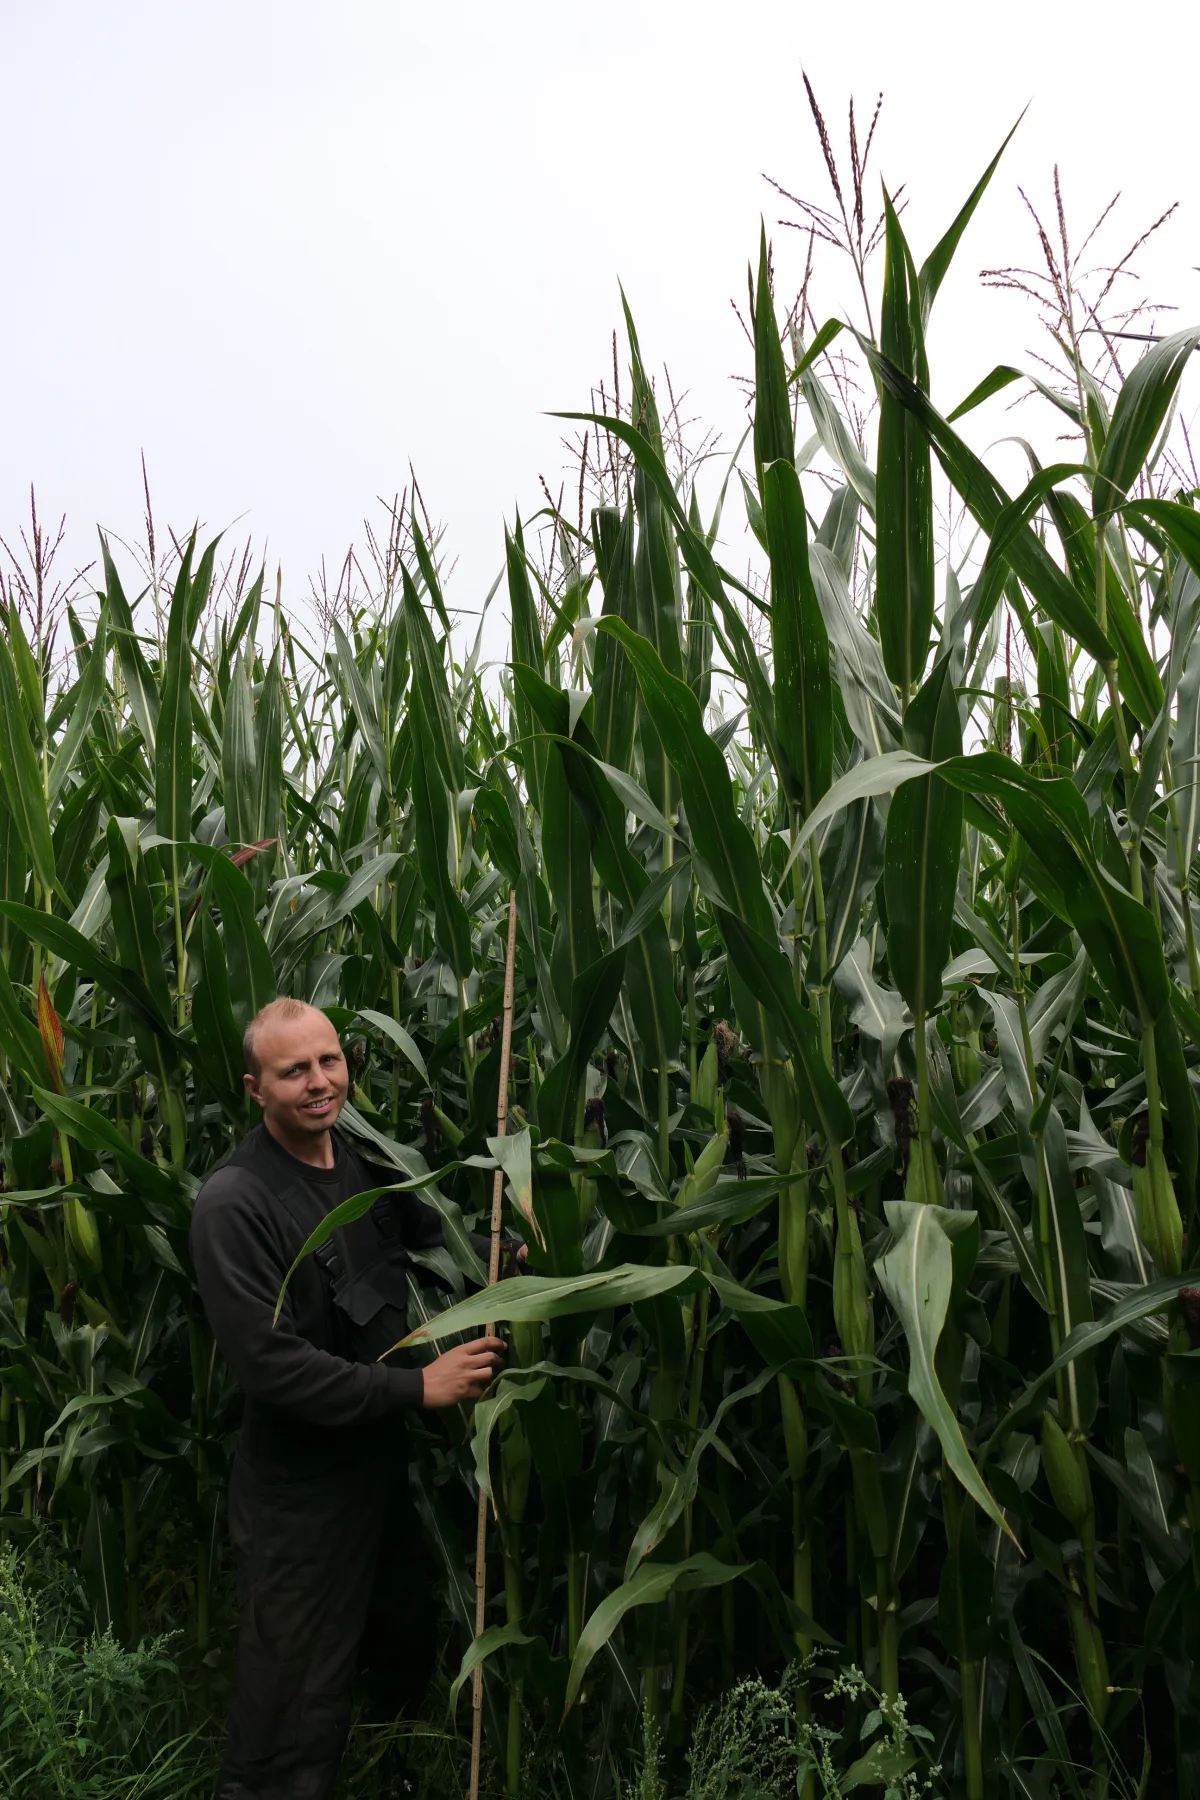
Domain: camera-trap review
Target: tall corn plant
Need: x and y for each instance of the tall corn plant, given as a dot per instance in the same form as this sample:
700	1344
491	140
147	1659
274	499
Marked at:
851	1127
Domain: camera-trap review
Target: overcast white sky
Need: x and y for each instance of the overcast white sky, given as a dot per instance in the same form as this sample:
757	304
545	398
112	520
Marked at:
284	248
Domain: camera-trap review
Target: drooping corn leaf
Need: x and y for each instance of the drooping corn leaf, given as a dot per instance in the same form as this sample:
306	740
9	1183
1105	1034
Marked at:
917	1276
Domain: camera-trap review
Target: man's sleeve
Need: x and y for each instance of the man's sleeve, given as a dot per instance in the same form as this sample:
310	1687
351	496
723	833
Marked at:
240	1269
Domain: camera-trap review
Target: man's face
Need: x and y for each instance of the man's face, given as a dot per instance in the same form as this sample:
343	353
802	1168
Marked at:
302	1080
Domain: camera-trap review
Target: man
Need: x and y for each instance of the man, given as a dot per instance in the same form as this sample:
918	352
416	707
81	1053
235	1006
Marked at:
331	1570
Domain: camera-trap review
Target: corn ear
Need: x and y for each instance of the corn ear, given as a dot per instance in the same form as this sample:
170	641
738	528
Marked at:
1160	1226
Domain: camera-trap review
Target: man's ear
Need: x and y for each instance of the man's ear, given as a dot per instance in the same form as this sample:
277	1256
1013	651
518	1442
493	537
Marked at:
250	1083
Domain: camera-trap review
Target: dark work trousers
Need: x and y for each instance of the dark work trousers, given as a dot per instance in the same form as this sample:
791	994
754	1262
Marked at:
332	1579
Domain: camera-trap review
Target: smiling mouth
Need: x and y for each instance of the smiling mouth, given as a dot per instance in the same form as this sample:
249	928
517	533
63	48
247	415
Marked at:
318	1106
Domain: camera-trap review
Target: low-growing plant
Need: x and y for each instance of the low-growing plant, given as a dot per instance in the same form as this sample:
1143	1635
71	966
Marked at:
81	1714
753	1745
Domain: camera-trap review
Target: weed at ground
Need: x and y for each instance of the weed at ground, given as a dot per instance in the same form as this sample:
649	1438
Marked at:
80	1715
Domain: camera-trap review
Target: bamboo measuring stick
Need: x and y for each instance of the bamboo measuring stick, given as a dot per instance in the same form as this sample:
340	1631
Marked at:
493	1277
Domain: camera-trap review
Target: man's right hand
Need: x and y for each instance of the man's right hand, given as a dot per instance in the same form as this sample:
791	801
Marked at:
463	1373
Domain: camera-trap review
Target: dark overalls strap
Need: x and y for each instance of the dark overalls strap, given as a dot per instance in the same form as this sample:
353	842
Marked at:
331	1261
364	1270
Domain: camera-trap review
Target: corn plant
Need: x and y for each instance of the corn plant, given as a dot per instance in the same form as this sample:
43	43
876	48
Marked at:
851	1124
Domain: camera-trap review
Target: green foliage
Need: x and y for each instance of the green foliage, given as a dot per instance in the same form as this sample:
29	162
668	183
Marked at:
852	1095
81	1716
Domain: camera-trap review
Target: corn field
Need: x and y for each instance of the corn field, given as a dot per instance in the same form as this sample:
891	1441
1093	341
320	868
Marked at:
852	1124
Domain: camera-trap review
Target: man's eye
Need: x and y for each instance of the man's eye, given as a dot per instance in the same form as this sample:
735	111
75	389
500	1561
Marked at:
331	1059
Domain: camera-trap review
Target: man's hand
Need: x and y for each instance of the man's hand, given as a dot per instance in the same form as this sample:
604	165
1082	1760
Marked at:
464	1372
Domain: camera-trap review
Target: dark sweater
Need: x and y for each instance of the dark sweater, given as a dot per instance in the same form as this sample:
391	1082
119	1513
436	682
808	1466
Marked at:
308	1401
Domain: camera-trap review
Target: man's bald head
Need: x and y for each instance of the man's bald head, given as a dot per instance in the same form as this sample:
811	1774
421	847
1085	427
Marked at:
284	1011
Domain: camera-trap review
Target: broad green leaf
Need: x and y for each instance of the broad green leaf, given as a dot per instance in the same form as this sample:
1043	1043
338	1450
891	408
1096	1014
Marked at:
269	733
514	1155
431	688
614	690
651	1584
496	1637
838	442
1120	934
173	740
1142	405
718	835
724	1205
18	1035
135	673
28	671
656	582
778	1329
764	969
680	1491
986	500
428	569
917	1277
1180	1099
649	968
139	946
526	652
531	895
566	851
1181	524
868	696
1142	1303
239	758
491	1413
360	696
251	970
838	530
1138	675
21	774
1054	698
904	512
721	842
655	570
431	810
88	1126
88	697
698	647
594	995
876	775
803	704
856	871
63	940
649	907
544	1297
773	436
879	1013
1000	377
921	855
401	1038
217	1035
831	329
